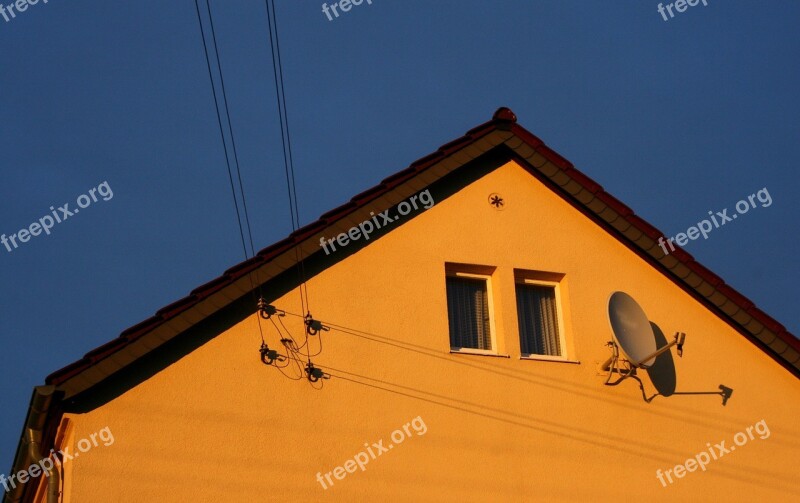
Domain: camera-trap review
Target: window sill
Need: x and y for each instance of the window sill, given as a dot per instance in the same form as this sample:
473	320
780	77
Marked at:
546	358
478	352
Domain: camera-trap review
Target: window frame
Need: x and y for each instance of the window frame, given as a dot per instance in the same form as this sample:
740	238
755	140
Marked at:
562	334
487	277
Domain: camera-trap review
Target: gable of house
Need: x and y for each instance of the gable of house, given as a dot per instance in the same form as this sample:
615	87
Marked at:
202	417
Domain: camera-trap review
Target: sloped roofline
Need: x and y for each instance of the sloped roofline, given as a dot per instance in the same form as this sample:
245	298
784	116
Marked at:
570	183
502	131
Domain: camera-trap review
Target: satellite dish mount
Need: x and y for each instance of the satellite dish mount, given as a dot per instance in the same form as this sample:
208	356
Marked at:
634	344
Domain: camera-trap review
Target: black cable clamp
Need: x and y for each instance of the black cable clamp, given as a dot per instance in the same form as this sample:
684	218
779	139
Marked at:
267	310
314	373
268	356
313	327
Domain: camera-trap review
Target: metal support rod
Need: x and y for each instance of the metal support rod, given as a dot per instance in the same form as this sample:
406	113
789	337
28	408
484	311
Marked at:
679	338
604	367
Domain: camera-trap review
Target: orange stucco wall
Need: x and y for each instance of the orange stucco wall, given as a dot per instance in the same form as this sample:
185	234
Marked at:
220	426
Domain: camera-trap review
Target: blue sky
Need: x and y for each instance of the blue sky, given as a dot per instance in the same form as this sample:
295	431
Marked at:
675	118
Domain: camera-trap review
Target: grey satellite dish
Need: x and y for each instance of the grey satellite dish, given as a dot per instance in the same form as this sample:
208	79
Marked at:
631	329
633	337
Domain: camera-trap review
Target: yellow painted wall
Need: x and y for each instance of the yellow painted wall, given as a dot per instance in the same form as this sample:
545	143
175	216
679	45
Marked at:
220	426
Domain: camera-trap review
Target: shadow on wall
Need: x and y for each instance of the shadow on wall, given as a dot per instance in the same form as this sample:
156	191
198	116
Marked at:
663	376
662	373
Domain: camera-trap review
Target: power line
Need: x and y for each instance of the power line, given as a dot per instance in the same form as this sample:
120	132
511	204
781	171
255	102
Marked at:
221	129
288	160
224	143
230	127
286	143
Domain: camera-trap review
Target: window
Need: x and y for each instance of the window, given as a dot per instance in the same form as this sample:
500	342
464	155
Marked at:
469	311
540	329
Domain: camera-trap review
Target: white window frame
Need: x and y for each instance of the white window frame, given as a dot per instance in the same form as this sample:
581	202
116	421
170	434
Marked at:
492	328
562	334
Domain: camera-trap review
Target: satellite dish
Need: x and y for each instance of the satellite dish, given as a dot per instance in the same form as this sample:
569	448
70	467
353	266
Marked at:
632	330
633	338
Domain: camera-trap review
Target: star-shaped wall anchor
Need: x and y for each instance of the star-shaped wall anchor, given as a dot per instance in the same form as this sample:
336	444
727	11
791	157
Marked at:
497	201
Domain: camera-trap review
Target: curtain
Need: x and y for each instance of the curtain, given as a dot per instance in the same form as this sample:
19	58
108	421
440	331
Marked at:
538	320
468	313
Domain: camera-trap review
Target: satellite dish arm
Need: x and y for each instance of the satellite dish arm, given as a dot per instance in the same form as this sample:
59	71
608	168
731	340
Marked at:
679	339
